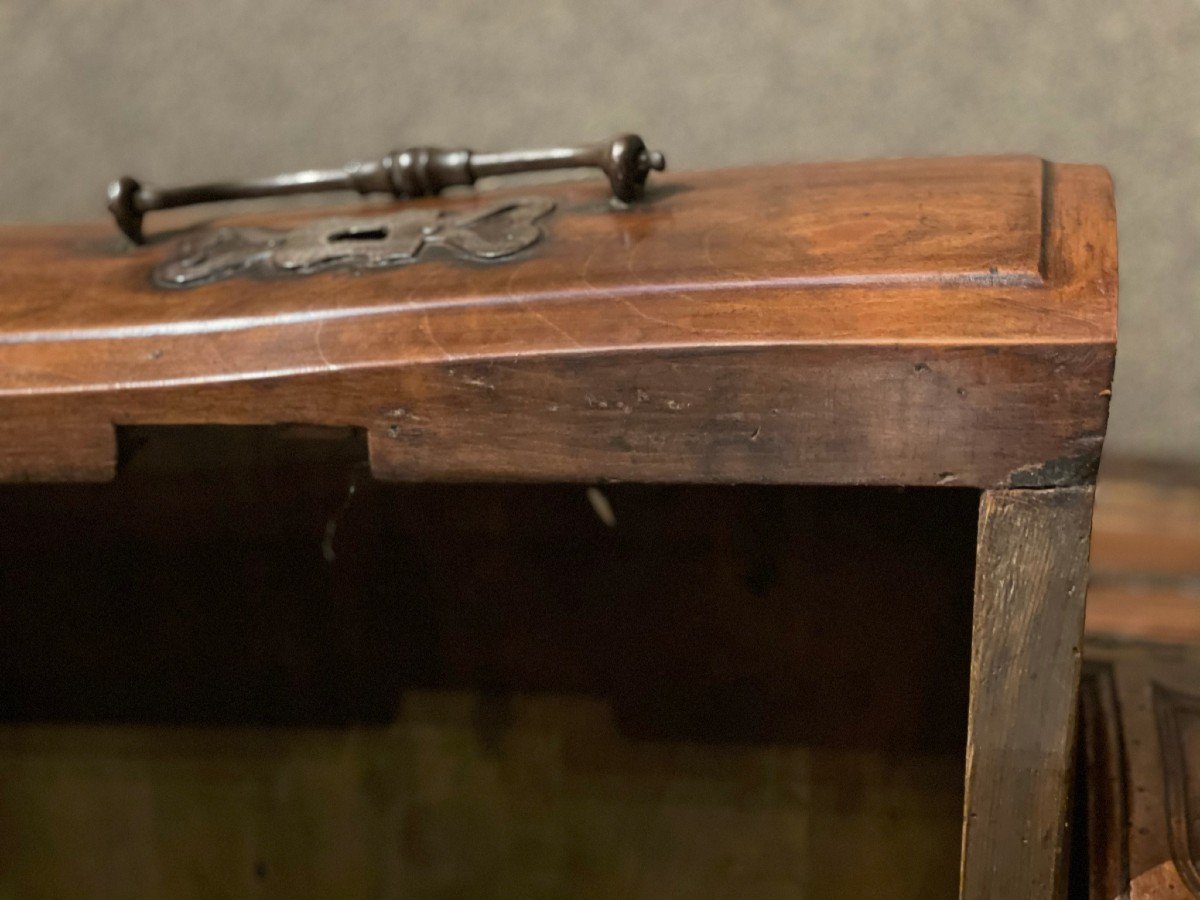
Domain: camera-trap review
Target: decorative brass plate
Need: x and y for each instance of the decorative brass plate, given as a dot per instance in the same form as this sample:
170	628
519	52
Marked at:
357	243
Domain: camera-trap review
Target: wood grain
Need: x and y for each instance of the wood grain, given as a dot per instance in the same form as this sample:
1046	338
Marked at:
1142	780
75	448
1030	576
909	322
972	298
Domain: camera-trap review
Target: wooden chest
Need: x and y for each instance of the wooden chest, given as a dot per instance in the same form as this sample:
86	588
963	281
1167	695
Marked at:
651	463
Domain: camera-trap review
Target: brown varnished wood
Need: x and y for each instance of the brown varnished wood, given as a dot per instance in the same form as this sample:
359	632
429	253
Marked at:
1140	754
780	415
946	322
910	322
782	227
1030	576
79	448
1142	777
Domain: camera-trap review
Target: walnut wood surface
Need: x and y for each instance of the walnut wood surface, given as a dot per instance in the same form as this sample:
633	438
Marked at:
912	321
1030	575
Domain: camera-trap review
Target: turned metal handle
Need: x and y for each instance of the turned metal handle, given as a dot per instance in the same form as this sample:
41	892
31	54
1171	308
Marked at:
416	172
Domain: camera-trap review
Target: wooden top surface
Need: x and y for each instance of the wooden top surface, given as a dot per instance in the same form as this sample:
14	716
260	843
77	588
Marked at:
951	251
942	321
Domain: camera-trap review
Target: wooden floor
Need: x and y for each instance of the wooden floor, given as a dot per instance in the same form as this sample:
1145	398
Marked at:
539	794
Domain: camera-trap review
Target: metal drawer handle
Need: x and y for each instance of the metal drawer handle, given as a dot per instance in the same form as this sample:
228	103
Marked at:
416	172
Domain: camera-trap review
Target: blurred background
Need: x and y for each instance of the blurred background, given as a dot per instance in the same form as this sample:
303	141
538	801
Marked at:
177	92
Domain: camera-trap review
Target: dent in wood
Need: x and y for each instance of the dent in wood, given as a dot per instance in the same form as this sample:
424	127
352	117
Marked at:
1077	468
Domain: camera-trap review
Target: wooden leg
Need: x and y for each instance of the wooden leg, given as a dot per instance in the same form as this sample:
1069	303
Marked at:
1030	578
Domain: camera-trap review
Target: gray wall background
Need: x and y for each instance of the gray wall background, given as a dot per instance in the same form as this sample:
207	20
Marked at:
180	91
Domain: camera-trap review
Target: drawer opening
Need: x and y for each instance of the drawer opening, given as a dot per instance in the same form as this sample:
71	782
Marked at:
760	684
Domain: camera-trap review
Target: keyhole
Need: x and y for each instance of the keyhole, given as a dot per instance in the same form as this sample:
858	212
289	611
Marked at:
360	234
